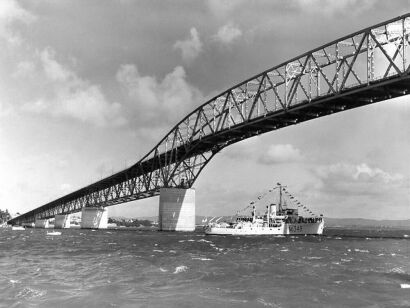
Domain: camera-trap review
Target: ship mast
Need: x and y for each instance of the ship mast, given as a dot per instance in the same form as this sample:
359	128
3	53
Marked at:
253	213
280	198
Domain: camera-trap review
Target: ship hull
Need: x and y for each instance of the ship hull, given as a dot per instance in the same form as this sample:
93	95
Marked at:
285	229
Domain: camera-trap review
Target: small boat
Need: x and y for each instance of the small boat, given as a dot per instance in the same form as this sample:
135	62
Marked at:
54	233
18	228
281	218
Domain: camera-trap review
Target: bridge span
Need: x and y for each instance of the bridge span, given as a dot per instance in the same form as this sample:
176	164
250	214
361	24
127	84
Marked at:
362	68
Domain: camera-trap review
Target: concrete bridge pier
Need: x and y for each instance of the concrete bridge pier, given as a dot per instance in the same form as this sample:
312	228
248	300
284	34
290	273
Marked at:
41	223
62	221
176	209
94	218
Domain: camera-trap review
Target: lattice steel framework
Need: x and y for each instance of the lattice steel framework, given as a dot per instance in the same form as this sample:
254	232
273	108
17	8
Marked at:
359	69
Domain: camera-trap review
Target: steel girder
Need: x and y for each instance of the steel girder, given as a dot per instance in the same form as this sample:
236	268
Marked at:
359	69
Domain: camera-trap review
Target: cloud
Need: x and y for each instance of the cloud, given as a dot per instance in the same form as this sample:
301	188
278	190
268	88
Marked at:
363	171
52	69
330	7
243	149
162	102
191	47
10	12
223	8
346	179
280	154
24	69
358	172
67	95
228	33
5	109
347	189
254	148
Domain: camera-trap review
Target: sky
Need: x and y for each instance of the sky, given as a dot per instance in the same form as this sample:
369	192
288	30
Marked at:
87	88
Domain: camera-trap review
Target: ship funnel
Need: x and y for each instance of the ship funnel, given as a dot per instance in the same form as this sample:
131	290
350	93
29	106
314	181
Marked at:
272	210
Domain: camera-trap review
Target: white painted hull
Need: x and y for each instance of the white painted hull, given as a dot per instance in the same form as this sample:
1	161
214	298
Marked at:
285	229
17	228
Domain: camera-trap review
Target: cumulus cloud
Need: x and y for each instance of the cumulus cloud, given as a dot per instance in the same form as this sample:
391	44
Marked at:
227	34
50	87
358	172
68	95
280	154
10	12
363	171
191	47
350	179
166	100
348	189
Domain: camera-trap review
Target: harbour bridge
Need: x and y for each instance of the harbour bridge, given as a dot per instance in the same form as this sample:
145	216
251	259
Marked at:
362	68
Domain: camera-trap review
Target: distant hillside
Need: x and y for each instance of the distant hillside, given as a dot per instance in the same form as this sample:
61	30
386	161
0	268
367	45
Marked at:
329	222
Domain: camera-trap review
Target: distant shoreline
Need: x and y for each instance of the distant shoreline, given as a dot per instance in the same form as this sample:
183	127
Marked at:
329	222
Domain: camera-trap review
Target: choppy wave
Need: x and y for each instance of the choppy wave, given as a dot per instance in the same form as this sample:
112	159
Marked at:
361	250
30	293
180	269
140	268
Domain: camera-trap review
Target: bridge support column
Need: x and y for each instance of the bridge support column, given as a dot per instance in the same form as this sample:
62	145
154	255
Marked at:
94	218
62	221
41	223
176	209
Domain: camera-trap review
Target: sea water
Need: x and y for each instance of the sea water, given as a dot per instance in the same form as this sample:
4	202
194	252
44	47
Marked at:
129	268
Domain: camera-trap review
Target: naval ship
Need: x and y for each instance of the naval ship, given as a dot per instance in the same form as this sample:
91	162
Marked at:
281	218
